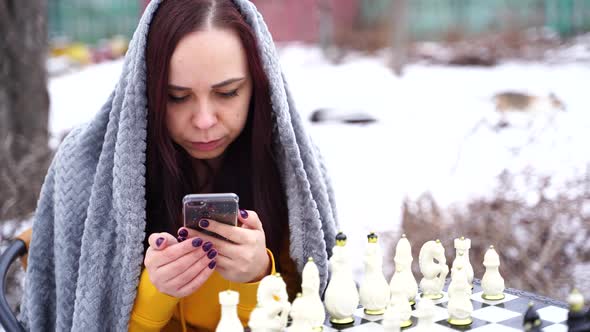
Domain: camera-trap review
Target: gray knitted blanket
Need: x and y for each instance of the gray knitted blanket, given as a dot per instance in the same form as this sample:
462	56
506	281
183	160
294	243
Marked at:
86	252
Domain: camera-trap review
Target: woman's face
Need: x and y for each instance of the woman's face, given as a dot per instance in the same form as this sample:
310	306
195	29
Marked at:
209	90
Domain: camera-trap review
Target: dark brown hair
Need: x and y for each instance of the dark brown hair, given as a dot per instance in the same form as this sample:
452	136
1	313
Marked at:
249	168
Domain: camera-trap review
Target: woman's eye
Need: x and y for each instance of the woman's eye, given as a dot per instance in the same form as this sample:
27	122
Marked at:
229	94
177	99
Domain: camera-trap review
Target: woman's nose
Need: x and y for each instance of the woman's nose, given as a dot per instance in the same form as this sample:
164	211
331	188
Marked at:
204	116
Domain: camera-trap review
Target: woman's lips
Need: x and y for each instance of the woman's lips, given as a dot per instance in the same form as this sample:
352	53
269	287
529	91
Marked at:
207	146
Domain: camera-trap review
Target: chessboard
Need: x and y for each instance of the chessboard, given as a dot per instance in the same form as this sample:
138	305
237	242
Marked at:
488	316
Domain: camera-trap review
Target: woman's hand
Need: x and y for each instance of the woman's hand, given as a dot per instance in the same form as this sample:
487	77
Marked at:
178	269
244	259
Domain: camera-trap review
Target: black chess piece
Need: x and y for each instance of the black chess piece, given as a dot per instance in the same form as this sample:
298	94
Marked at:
578	319
531	321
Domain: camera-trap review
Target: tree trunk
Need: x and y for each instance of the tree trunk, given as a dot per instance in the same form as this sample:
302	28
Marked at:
24	105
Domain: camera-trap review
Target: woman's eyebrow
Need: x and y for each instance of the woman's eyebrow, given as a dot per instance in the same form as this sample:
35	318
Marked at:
227	82
175	87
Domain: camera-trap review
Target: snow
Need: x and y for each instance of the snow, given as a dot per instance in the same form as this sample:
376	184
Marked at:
434	131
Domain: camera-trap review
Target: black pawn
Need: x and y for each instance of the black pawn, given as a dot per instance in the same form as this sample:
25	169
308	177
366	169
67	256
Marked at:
578	321
532	321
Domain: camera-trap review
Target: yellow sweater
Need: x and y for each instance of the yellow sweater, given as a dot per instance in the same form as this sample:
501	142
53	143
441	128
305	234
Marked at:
156	311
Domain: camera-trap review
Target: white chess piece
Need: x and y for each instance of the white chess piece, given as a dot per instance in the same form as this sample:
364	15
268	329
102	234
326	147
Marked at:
229	321
341	297
374	290
460	306
272	311
301	322
399	303
391	320
403	269
462	246
425	314
434	273
492	282
310	287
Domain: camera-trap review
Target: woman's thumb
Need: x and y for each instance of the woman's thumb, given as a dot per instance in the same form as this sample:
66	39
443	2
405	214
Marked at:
159	241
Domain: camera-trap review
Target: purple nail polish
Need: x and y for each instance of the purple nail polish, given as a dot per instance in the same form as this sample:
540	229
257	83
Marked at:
159	241
183	232
212	253
204	223
197	242
244	214
212	264
181	239
207	246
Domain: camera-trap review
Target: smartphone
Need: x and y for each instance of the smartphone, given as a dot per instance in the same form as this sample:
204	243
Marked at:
219	207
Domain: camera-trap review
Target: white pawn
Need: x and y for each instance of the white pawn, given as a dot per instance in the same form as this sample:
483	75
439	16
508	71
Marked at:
342	297
492	282
310	287
391	320
462	246
229	321
435	273
272	310
399	304
403	269
374	290
459	305
300	317
425	314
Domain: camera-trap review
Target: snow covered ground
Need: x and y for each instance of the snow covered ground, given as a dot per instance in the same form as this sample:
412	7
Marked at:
431	133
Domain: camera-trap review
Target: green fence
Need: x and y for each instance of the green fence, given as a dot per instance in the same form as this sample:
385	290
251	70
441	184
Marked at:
434	19
90	20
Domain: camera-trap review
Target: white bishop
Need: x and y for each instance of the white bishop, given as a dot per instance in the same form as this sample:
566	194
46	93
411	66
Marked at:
403	269
492	282
342	297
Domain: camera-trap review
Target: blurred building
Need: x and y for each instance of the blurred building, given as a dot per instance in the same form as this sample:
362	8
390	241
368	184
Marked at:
91	20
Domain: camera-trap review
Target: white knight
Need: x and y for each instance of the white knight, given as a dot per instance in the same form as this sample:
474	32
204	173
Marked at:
492	282
435	273
272	311
403	269
341	297
374	290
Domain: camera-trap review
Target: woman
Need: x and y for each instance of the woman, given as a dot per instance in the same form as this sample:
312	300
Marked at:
201	106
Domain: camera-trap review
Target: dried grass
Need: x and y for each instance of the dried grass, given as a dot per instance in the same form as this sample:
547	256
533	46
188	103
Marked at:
543	245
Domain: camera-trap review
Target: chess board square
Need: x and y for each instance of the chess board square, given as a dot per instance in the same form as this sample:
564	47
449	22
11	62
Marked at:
553	314
436	328
475	324
367	327
360	312
495	328
494	314
338	327
555	328
477	297
516	322
476	305
440	313
521	305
